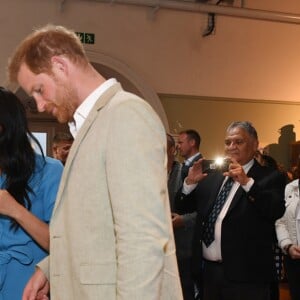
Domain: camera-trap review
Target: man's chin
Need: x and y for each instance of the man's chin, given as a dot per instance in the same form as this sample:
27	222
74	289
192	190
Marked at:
61	119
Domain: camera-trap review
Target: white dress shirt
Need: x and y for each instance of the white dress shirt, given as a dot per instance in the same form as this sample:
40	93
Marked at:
85	107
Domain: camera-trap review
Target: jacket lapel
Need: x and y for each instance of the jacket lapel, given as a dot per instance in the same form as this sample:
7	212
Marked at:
101	102
240	191
195	159
214	186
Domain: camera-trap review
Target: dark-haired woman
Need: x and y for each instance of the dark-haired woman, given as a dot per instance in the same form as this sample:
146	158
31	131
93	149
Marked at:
28	187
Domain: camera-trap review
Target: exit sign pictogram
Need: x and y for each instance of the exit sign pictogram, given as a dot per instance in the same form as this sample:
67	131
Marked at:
86	38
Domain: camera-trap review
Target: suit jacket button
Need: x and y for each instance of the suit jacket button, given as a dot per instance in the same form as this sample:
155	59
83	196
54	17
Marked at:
252	199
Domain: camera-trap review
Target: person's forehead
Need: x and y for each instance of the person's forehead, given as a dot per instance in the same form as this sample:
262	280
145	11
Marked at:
237	131
64	142
22	77
183	136
27	79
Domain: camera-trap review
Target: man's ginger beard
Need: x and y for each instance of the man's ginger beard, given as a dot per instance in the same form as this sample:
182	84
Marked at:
65	100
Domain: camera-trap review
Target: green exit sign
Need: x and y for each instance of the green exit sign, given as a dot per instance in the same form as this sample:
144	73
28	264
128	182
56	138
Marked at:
86	38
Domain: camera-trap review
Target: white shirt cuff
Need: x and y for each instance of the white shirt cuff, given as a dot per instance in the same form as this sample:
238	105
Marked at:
188	188
248	185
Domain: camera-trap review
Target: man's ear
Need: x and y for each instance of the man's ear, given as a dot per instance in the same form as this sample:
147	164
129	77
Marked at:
193	142
59	64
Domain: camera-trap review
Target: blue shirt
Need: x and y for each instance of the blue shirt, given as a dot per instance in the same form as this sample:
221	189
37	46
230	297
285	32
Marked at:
19	253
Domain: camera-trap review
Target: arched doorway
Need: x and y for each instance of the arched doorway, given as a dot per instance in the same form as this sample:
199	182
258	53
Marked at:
110	67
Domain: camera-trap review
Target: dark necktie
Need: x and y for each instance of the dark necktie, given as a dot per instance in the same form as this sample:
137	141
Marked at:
184	170
209	228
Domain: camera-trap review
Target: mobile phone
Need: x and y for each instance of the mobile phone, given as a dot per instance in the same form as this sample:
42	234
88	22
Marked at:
208	165
219	164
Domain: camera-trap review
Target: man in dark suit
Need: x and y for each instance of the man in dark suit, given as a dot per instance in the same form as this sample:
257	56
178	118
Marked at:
174	170
235	258
188	145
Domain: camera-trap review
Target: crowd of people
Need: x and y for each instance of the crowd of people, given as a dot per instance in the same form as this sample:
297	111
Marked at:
254	230
125	225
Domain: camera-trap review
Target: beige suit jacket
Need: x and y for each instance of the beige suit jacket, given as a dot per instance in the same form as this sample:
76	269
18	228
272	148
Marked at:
111	234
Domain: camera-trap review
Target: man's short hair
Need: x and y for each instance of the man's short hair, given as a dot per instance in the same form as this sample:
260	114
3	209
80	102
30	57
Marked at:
245	125
193	135
40	46
62	136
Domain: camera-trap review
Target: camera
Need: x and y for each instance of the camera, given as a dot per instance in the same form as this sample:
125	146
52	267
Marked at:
218	164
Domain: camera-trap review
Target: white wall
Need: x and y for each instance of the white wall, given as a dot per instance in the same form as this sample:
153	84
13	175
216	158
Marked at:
243	59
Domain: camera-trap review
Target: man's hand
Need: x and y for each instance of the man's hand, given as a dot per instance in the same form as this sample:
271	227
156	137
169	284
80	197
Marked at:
195	173
37	287
177	220
294	252
237	173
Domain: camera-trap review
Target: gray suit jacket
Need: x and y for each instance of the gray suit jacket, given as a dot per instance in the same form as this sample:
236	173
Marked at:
184	235
111	233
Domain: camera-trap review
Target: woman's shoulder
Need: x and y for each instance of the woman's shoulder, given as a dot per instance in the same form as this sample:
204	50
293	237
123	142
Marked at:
48	163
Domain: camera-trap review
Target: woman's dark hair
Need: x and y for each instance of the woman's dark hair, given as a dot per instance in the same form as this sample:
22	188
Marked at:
17	156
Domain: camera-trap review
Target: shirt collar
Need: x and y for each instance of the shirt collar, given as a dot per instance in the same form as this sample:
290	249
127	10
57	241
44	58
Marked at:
86	106
188	161
248	165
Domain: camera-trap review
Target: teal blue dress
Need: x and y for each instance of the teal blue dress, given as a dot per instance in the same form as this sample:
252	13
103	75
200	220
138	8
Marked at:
18	252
